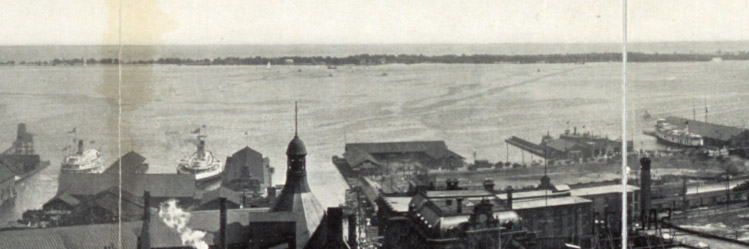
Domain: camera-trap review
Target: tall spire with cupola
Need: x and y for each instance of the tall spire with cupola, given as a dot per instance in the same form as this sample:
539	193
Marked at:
296	153
296	196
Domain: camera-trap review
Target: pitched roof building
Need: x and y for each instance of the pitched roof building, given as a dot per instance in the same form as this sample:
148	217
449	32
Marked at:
447	219
107	207
247	169
370	158
293	221
162	186
132	163
210	199
72	237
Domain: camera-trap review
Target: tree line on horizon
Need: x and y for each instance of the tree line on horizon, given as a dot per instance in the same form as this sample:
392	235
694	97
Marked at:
377	59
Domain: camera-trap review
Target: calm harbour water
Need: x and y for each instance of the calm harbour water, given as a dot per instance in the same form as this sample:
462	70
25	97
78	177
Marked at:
472	107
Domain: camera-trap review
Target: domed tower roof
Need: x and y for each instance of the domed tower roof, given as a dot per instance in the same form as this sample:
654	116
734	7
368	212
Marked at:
296	147
296	196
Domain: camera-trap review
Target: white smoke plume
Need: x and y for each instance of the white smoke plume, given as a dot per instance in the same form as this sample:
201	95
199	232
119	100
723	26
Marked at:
177	219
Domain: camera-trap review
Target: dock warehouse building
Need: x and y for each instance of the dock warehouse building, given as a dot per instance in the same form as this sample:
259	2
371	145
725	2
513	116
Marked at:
607	197
538	218
448	219
247	170
376	158
296	221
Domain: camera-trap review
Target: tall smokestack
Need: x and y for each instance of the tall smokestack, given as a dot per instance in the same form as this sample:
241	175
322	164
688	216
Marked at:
20	134
509	197
80	146
201	147
335	225
644	189
145	236
352	240
684	201
222	223
459	205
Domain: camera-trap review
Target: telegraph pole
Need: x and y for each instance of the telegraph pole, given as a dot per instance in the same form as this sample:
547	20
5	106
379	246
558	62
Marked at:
728	192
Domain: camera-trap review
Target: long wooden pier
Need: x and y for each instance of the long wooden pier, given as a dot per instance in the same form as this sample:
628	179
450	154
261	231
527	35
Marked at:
526	146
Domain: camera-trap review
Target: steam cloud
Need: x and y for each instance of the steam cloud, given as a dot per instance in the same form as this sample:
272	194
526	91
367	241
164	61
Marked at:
176	218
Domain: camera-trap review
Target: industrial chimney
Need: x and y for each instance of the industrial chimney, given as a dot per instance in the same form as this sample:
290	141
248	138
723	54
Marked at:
145	237
222	223
21	133
80	146
509	197
201	147
684	200
352	240
459	205
644	189
335	225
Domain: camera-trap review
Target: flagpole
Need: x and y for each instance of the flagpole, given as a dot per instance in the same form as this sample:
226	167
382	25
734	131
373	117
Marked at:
247	134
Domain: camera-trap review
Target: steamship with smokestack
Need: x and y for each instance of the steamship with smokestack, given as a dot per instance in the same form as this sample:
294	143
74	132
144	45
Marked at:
669	134
201	163
83	161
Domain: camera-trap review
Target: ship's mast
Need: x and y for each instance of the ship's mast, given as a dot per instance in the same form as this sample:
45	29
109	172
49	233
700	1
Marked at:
694	111
201	142
706	108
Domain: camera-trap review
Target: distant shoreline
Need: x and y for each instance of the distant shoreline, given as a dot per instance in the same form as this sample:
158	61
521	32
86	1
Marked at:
382	59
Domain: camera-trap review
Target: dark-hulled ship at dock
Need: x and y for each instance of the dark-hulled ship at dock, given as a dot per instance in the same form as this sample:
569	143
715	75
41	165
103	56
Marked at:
201	163
21	159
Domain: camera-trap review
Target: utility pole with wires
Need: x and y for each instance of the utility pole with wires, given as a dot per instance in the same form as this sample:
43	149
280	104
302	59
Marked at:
507	154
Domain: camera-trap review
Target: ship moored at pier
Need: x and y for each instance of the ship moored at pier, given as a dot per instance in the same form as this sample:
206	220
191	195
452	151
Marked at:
669	134
21	159
83	161
202	163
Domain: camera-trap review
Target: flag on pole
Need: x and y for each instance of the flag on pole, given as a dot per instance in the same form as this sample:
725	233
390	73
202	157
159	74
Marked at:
66	148
73	130
196	131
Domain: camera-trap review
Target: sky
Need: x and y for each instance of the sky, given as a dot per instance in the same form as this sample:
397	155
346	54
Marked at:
51	22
